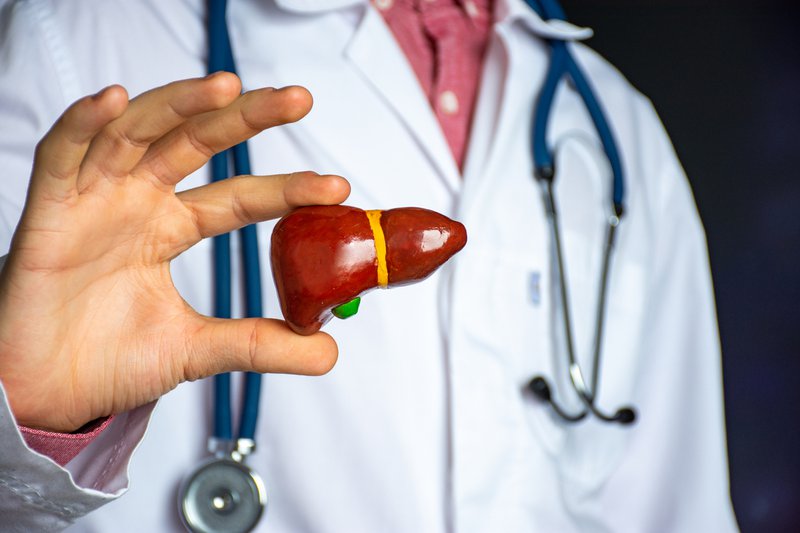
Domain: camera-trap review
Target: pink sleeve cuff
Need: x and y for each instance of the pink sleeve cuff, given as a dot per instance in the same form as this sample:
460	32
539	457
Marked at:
63	447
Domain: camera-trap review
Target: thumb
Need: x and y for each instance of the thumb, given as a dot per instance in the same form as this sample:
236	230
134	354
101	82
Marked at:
256	345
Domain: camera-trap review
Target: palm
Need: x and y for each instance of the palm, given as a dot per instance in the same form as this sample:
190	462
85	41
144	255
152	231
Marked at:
90	321
125	305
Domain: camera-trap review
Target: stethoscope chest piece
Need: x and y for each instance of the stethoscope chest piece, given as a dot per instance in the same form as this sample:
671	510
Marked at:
222	495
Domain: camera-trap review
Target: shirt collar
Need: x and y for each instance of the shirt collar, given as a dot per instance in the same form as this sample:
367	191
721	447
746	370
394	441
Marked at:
505	11
509	11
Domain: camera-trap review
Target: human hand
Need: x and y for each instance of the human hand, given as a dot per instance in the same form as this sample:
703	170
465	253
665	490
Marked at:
90	321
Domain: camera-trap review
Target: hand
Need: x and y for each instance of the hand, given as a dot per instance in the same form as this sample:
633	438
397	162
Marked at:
90	321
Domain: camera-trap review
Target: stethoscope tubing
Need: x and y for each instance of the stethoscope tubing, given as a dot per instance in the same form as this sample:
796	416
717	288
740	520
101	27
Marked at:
563	64
220	57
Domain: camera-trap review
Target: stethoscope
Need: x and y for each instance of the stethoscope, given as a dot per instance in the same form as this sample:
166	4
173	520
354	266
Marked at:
562	64
223	493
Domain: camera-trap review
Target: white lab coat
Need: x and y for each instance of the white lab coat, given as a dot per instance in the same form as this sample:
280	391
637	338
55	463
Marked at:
423	425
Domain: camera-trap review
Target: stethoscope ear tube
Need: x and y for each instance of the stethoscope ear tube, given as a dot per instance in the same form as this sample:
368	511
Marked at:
561	64
220	57
539	385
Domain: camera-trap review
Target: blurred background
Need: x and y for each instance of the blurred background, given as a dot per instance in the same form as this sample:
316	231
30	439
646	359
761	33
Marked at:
725	78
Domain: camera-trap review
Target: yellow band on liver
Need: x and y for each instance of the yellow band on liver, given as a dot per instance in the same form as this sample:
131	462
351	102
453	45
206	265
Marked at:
374	217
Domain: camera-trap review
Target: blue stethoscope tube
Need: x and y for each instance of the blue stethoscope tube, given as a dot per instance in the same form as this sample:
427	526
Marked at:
220	57
562	64
222	493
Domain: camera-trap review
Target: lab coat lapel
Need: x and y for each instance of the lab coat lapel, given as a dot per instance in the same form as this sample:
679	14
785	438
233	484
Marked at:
514	71
376	54
503	113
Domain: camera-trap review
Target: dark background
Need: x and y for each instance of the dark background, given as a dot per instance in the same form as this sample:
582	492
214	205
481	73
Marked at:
725	78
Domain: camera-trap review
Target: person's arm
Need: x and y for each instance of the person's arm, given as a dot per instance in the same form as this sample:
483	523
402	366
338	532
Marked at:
36	494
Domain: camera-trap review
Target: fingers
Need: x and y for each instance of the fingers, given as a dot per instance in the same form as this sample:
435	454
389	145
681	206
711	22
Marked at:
191	145
230	204
256	345
117	149
60	153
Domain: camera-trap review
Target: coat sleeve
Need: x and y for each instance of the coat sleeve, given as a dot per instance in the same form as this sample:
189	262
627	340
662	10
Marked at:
675	471
36	85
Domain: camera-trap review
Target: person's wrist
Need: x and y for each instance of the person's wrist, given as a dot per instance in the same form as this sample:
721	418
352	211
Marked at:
32	411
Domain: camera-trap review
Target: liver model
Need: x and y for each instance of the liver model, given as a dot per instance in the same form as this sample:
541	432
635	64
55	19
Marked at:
325	257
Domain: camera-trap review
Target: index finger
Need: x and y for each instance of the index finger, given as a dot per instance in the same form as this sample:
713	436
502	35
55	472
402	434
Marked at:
189	146
229	204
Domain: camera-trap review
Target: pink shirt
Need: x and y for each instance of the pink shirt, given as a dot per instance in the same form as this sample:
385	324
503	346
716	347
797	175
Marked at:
444	41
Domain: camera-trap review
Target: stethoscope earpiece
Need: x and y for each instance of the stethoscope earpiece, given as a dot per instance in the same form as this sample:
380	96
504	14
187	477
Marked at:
539	387
626	416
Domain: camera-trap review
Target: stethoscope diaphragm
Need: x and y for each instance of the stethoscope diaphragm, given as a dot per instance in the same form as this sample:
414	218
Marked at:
222	495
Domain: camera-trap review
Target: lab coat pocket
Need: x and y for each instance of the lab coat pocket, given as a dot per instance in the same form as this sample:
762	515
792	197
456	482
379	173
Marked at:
516	340
594	449
585	454
520	299
501	312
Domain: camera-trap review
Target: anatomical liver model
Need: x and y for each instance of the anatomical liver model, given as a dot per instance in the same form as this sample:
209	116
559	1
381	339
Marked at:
325	257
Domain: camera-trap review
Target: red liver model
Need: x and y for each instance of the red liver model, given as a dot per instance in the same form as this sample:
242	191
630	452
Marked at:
325	256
